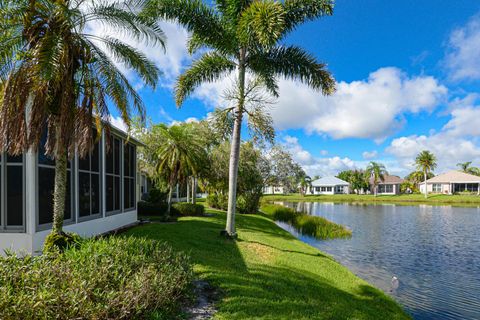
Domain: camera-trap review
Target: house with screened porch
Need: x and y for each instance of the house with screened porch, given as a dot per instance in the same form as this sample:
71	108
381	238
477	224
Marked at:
102	192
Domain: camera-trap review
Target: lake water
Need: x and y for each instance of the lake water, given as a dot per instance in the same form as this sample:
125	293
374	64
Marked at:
434	251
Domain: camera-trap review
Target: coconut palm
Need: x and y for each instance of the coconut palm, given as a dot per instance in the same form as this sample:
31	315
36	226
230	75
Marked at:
56	74
426	162
305	184
376	173
467	168
244	36
179	154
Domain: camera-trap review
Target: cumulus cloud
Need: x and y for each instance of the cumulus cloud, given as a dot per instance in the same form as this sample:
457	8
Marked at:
455	143
170	61
369	154
323	166
462	51
371	108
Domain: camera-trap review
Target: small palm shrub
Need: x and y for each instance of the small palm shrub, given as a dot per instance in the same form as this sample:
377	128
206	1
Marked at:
188	209
60	241
110	278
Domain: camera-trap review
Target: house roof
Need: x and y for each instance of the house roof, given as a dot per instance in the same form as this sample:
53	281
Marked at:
454	177
329	181
387	179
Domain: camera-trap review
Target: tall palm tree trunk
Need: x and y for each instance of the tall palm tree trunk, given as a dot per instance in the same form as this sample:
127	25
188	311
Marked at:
169	200
60	186
425	183
188	190
235	148
194	190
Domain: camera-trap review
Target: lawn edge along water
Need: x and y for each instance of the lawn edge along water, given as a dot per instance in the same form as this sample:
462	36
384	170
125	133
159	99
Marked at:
269	274
403	199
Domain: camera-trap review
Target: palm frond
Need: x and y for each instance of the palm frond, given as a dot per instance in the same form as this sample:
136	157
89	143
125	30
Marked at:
198	18
262	23
210	67
301	11
132	58
293	63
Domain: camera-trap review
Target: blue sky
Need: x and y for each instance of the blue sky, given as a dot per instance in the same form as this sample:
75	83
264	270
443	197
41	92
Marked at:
407	73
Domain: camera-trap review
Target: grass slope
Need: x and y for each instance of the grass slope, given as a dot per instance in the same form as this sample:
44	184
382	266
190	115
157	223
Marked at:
269	274
410	199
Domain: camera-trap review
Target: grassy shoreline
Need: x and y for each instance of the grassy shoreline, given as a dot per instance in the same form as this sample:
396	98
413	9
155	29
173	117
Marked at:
269	274
406	199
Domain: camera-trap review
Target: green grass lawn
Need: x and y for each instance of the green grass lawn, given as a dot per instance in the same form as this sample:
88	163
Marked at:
269	274
400	199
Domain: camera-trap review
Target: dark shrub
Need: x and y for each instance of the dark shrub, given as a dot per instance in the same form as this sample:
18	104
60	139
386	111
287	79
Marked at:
145	208
60	241
189	209
112	278
157	196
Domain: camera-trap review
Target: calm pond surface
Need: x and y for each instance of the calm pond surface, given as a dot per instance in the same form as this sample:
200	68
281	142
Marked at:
434	251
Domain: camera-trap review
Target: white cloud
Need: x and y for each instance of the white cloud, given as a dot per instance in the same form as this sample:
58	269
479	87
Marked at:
370	154
118	123
170	61
325	166
461	59
371	108
453	144
323	152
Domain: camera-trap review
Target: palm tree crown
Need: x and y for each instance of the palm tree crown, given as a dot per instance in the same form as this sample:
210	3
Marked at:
179	154
244	36
426	162
376	172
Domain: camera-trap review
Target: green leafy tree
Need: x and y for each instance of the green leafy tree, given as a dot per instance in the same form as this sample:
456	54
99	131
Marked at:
55	73
356	179
375	172
413	179
244	37
426	162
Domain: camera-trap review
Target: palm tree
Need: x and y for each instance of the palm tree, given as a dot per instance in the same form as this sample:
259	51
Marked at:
426	162
244	36
179	155
305	184
467	168
376	173
54	73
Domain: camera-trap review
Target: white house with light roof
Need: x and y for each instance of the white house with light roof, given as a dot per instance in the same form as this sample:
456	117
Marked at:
452	182
329	185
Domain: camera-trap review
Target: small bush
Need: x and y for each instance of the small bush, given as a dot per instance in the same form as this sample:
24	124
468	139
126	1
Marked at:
189	209
60	241
249	202
217	201
313	226
112	278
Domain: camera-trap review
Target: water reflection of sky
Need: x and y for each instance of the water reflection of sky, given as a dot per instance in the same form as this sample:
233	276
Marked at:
433	250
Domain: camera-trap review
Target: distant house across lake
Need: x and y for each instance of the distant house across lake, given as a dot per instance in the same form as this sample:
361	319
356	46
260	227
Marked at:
328	185
389	185
452	182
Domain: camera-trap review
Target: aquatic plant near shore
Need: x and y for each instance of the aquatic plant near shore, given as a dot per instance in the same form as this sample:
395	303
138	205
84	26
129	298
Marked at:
317	227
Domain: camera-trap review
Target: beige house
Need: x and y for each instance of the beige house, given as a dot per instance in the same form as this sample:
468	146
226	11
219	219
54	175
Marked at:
452	182
389	185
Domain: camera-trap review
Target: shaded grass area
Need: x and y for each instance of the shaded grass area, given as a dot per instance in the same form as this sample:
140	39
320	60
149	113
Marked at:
269	274
408	199
313	226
